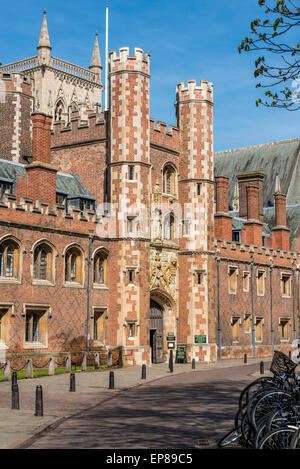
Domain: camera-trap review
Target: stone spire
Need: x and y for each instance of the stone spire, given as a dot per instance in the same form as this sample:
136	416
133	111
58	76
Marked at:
95	65
277	184
236	197
44	46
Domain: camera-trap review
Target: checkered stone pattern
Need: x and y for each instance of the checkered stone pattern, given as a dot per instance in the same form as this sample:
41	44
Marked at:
194	105
196	193
130	146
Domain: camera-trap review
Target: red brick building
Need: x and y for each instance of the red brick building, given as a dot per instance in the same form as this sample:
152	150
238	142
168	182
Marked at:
117	232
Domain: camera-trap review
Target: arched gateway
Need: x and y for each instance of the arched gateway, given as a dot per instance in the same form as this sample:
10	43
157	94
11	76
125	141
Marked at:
156	332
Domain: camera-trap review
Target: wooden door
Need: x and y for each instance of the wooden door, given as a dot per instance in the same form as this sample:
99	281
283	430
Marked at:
156	332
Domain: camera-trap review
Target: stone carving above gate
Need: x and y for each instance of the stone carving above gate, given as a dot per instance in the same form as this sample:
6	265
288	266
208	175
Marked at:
163	271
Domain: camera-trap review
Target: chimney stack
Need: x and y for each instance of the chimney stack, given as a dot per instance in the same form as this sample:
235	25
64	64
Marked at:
280	237
40	180
223	221
252	178
253	227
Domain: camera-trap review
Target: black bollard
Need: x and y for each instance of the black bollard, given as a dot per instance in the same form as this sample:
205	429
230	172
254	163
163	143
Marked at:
39	402
15	397
143	371
262	368
245	358
111	380
14	379
171	361
72	382
193	364
290	355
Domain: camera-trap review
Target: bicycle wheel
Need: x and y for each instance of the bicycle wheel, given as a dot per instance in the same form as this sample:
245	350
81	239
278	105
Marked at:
231	437
257	386
259	434
246	429
280	438
279	417
295	442
266	404
239	416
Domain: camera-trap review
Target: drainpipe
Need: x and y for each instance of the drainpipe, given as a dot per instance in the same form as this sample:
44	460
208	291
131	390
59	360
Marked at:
252	306
294	300
219	317
271	305
91	232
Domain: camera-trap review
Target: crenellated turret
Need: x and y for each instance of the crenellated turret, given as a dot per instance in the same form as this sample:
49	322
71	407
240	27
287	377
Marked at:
130	189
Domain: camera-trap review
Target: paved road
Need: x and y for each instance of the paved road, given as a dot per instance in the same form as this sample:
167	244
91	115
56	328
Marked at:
189	410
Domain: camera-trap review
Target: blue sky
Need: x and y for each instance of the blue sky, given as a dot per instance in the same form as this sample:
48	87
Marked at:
187	39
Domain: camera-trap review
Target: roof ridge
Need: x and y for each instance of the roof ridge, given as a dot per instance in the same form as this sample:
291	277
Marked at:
258	146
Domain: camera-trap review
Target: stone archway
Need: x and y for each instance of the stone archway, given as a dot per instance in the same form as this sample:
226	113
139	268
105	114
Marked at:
162	308
156	332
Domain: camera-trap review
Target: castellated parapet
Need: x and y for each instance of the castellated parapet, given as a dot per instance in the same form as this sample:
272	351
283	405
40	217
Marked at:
52	217
138	62
204	91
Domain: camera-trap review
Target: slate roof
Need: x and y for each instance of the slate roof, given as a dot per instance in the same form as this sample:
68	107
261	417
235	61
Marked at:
292	220
65	183
269	158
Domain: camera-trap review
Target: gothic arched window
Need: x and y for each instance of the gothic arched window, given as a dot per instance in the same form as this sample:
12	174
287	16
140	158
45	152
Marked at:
100	267
59	109
169	227
74	265
169	180
43	262
9	259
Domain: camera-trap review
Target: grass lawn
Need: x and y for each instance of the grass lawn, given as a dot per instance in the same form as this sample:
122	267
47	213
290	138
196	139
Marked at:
44	372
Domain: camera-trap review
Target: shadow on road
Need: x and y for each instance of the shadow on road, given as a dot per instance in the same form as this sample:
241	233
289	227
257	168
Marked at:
159	415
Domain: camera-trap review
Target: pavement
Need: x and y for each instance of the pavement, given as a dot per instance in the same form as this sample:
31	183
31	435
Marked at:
20	427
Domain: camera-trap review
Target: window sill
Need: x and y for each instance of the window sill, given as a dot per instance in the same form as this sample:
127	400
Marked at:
12	280
43	283
100	286
170	196
98	343
286	296
73	285
34	345
3	345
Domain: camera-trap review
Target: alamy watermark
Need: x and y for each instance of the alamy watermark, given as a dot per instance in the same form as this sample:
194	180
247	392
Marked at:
187	221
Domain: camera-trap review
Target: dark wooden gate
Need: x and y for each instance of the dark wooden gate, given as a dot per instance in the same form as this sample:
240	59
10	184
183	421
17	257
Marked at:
156	332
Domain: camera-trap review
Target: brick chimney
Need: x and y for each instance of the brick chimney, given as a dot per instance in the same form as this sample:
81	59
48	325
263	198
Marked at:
252	178
40	180
223	221
253	227
280	237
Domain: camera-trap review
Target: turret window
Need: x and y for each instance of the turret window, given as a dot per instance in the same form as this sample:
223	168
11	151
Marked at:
169	180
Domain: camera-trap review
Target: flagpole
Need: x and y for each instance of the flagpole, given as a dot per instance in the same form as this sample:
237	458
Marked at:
106	59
